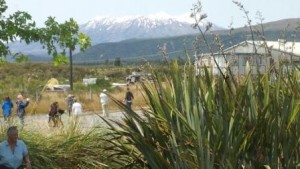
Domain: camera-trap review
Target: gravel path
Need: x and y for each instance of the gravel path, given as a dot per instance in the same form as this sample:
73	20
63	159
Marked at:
87	120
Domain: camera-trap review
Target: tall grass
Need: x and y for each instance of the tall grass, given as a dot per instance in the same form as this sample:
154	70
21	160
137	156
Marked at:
63	148
198	122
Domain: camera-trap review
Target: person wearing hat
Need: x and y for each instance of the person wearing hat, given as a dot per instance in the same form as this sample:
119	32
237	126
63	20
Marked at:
104	101
76	107
70	101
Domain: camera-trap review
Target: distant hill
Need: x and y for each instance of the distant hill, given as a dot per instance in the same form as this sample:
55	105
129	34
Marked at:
148	49
284	24
145	46
291	24
116	29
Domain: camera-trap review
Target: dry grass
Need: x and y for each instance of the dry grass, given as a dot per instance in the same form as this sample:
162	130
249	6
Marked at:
89	100
35	75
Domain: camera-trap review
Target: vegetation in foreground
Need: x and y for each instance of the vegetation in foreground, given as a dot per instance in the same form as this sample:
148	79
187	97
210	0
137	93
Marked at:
204	122
191	122
62	148
212	122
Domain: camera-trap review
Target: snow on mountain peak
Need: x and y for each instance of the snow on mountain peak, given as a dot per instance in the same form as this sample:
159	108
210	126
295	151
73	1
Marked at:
160	16
105	20
164	16
186	17
114	29
149	19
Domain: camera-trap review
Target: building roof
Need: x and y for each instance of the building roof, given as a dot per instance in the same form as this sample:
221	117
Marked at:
280	45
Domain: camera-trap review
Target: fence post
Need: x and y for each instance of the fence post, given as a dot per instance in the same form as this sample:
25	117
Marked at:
91	95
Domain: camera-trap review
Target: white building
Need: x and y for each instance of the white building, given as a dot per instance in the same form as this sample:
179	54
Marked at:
261	55
89	81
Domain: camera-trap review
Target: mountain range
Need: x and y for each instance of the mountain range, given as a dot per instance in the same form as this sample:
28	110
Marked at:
115	29
181	46
139	37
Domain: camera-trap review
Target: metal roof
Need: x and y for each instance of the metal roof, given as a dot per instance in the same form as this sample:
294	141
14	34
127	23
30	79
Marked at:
280	45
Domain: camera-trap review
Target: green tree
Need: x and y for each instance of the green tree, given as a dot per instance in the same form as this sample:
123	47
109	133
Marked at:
17	26
117	61
67	37
21	58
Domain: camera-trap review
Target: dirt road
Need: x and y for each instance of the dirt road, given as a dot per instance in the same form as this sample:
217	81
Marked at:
86	121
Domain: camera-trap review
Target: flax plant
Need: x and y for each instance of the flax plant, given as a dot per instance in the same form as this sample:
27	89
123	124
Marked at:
197	122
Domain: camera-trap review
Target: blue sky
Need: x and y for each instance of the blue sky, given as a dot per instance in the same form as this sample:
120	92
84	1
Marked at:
220	12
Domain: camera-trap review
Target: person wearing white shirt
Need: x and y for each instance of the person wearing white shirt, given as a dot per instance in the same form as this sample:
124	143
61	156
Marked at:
104	101
76	108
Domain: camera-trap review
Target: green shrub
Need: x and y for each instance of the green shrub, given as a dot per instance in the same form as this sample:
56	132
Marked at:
103	83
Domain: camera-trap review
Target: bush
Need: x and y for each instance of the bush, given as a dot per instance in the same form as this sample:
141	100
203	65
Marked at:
103	83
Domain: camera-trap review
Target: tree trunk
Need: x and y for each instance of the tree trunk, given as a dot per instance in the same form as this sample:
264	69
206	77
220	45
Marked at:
71	69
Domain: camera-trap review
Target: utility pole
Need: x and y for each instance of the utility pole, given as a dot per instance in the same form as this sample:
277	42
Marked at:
71	69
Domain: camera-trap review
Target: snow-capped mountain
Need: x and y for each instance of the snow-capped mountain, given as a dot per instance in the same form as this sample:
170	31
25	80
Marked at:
114	29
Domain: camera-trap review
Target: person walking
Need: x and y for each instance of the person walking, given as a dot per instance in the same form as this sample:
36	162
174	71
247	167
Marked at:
70	101
7	106
76	108
52	113
104	101
128	98
21	105
13	151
